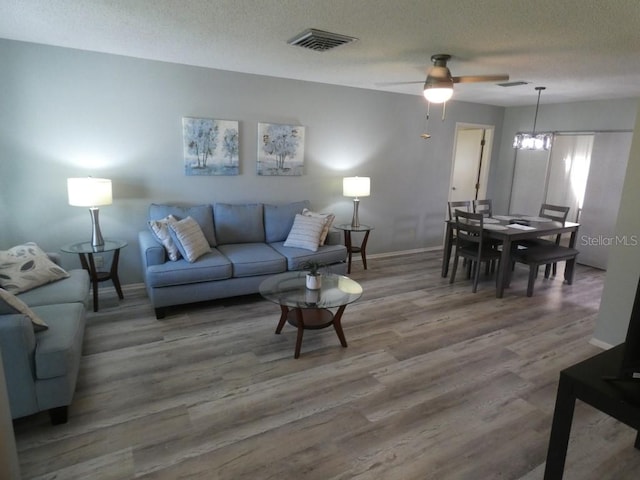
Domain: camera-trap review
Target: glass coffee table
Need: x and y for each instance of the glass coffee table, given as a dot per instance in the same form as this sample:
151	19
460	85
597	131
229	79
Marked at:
308	309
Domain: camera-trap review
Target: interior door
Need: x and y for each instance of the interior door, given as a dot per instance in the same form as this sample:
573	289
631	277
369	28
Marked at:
472	152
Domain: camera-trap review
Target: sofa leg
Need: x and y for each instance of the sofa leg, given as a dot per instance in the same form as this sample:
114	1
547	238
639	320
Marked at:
160	313
59	415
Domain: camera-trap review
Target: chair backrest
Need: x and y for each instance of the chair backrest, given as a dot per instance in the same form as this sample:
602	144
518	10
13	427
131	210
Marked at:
483	207
461	204
469	228
557	213
554	212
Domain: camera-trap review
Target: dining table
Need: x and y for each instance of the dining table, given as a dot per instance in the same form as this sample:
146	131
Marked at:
510	230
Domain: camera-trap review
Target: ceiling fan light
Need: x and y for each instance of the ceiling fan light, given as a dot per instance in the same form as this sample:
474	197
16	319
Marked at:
437	94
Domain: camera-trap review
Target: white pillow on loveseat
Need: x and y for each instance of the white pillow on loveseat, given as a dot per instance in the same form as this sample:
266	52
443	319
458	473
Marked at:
27	266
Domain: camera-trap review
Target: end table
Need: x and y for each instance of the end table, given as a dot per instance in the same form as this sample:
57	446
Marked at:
351	249
86	251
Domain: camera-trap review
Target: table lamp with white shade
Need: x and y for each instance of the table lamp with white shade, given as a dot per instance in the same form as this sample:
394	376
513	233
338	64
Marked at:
93	193
356	187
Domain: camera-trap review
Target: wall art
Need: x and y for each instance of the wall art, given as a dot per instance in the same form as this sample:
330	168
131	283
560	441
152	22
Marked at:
210	146
280	149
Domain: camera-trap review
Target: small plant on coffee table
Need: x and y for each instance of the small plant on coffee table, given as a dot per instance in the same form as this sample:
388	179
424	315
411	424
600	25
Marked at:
314	277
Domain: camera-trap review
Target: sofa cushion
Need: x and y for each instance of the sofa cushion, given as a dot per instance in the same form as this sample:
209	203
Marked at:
251	259
305	233
24	267
160	230
242	223
188	237
20	307
74	289
328	221
211	266
278	220
58	349
297	257
203	214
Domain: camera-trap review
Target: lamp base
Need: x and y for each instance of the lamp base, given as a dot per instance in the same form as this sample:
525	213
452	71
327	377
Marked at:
96	234
355	222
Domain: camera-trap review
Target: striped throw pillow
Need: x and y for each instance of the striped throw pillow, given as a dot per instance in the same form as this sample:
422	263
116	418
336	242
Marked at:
305	232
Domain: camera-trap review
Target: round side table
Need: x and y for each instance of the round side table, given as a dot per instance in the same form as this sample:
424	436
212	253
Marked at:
351	249
86	251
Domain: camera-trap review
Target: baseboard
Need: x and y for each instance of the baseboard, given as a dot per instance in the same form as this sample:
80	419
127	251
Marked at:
600	344
398	253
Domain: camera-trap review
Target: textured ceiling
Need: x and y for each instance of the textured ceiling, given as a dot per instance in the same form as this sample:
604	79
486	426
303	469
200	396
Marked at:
578	49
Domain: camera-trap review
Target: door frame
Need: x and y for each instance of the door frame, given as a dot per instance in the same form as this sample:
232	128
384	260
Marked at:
486	154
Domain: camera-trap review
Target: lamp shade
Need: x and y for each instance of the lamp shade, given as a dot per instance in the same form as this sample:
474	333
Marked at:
356	186
89	192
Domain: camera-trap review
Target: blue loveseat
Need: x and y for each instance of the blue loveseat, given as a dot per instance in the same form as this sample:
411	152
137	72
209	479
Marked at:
41	367
247	244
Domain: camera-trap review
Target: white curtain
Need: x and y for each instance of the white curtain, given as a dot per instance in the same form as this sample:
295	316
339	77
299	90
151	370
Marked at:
568	172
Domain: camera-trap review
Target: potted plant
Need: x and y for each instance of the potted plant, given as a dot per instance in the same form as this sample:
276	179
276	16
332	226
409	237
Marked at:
314	277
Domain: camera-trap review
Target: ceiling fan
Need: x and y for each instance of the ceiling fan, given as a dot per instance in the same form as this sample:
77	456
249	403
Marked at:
438	88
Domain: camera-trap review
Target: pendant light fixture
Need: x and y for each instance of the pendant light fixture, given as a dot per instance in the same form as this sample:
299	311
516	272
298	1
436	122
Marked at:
533	140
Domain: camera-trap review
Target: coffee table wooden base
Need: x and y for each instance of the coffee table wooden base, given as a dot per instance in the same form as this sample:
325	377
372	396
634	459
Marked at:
311	319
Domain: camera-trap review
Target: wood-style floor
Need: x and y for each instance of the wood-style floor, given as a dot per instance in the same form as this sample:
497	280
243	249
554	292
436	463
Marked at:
437	383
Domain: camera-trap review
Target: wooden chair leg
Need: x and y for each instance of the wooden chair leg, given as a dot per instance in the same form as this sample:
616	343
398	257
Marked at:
476	276
533	271
453	269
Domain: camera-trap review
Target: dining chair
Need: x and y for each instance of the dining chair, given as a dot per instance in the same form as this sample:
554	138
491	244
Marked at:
464	205
483	206
472	245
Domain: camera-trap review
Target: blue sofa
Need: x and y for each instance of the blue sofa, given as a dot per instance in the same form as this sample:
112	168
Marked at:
246	246
41	367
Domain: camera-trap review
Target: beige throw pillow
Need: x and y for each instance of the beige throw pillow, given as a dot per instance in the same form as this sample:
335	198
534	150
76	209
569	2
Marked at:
328	221
305	232
21	307
189	239
160	229
24	267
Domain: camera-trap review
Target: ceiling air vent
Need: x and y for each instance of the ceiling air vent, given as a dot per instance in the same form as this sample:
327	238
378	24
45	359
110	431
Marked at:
319	40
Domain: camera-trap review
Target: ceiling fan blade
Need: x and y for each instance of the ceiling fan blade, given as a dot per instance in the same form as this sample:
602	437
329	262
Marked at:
480	78
390	84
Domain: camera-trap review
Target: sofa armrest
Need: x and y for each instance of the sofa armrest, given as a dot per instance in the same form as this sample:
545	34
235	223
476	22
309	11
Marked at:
334	237
151	251
17	345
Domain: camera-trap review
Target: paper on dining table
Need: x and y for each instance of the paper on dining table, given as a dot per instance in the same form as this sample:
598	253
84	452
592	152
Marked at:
521	227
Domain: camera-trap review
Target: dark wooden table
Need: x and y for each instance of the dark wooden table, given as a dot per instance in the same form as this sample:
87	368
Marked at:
588	381
351	248
509	237
86	252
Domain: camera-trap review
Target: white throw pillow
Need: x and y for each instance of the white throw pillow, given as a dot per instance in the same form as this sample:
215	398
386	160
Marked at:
328	221
189	239
160	229
305	232
24	267
21	307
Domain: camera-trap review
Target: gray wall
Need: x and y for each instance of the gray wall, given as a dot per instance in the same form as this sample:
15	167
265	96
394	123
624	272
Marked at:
66	113
577	116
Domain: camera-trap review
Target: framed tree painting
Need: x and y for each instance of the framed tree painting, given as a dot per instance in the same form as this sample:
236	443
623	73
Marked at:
280	149
211	146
